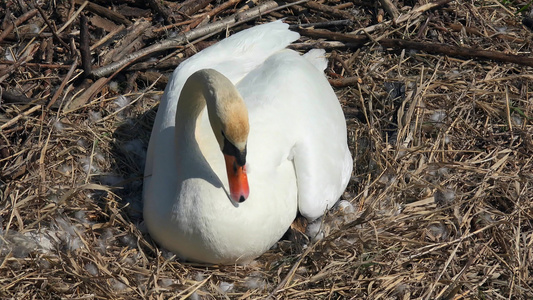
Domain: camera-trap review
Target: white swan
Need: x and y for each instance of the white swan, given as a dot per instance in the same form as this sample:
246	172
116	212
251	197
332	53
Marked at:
267	107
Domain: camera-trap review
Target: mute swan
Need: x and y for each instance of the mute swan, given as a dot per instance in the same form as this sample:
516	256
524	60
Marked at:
256	136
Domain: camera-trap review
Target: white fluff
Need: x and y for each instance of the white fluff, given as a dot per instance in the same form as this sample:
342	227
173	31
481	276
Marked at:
516	120
345	207
34	28
68	234
136	147
225	286
129	240
255	282
314	230
87	166
95	116
165	282
80	215
59	126
65	169
91	269
117	285
113	86
444	197
438	116
8	56
122	101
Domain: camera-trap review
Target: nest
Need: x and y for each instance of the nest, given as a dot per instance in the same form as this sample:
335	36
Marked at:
438	98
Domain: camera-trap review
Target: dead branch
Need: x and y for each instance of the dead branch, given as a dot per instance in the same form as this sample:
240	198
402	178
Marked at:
52	29
84	45
435	48
63	84
30	14
343	82
327	10
183	38
390	8
192	6
158	7
105	12
402	18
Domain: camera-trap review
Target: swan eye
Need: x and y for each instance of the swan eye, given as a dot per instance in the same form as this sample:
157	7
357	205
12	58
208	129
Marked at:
230	149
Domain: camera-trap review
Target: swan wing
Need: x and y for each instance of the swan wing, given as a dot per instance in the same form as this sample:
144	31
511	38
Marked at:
295	114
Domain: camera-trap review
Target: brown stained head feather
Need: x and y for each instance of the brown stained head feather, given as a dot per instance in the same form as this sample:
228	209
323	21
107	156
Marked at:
228	111
235	123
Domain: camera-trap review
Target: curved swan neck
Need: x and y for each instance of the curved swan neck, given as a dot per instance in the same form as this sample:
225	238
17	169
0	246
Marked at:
226	109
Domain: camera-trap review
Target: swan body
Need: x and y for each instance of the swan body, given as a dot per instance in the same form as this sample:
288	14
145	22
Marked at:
270	105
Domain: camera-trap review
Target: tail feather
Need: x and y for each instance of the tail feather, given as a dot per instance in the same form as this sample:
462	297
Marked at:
318	58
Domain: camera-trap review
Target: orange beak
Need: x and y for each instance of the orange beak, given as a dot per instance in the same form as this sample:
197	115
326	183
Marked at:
238	181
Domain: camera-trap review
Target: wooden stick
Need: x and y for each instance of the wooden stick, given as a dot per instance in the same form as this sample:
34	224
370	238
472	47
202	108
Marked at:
73	17
329	10
402	18
390	8
157	6
63	84
326	9
191	7
15	119
183	38
222	7
30	14
105	12
84	45
54	33
423	46
107	37
343	82
49	66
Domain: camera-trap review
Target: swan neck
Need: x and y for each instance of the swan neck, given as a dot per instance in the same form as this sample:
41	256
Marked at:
226	109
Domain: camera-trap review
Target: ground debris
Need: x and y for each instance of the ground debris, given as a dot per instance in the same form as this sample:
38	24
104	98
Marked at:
442	146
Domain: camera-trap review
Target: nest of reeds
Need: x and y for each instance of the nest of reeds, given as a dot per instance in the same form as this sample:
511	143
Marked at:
438	98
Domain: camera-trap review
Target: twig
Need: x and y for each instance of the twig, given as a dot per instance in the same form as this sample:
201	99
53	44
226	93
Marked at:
183	38
63	83
10	97
402	18
100	10
192	6
132	39
174	25
54	33
472	30
324	24
288	278
343	82
158	7
390	8
84	45
38	65
222	7
15	119
325	9
30	14
329	10
433	248
422	46
73	17
108	37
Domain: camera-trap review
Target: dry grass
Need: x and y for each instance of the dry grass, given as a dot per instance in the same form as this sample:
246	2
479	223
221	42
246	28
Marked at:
443	179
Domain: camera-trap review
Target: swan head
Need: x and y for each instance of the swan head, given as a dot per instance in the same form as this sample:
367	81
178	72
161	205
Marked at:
229	120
